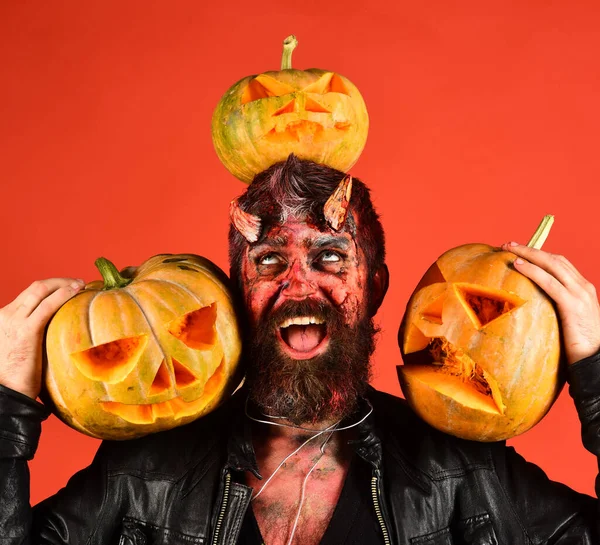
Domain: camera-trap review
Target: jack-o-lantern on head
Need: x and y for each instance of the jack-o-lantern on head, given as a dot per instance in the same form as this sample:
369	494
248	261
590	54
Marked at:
315	114
481	345
143	351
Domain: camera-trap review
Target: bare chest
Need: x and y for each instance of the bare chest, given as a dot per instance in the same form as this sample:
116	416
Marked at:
283	508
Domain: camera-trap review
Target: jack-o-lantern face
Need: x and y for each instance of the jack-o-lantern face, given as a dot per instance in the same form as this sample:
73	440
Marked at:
154	354
315	114
481	346
312	111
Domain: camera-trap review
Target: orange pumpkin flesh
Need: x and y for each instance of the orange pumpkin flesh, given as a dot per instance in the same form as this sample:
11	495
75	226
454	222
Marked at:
148	353
481	346
314	114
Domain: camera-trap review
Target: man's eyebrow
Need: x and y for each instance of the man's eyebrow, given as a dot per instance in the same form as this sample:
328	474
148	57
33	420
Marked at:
336	242
270	242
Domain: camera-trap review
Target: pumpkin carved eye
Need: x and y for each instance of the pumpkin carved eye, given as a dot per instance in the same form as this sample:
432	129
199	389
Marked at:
264	86
196	329
327	83
111	362
485	306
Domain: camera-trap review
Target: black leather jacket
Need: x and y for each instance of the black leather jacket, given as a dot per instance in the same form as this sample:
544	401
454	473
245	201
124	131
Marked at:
177	487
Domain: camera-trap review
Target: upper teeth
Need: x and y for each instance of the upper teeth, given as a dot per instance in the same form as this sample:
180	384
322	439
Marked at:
301	320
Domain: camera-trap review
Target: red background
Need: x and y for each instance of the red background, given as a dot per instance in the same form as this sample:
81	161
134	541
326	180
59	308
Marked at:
484	117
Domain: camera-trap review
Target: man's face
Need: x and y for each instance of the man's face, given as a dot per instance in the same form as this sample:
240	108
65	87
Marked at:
311	336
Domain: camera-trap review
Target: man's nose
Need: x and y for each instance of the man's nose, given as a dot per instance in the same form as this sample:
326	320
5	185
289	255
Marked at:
297	283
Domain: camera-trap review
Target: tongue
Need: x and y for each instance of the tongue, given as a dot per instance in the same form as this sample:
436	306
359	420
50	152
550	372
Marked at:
303	337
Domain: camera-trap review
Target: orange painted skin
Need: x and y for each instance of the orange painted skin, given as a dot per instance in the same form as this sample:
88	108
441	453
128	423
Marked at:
297	261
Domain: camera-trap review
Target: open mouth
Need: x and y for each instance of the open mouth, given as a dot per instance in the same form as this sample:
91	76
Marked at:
303	337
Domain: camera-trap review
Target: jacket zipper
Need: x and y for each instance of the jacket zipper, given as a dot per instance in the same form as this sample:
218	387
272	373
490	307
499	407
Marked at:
223	507
375	493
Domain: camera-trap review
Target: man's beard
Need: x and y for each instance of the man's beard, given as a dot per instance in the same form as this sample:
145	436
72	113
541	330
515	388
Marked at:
323	388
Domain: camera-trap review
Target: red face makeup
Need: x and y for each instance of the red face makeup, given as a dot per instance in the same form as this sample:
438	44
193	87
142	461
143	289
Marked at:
297	263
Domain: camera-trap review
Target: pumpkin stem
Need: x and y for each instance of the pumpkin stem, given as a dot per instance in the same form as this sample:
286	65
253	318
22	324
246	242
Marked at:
289	44
110	274
541	233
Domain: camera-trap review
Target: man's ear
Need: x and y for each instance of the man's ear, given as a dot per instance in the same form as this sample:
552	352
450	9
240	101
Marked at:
379	287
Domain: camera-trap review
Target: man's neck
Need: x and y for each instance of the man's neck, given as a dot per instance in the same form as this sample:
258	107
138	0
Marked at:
272	442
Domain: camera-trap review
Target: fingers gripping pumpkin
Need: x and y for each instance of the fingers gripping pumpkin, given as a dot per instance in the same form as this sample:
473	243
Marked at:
481	346
131	356
314	114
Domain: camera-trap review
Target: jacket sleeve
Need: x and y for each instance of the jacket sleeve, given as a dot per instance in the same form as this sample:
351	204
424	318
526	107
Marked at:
72	515
549	512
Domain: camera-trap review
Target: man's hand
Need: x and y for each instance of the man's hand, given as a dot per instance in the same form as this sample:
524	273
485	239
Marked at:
22	325
576	299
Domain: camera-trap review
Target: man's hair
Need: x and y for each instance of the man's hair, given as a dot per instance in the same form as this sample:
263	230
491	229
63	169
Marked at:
299	188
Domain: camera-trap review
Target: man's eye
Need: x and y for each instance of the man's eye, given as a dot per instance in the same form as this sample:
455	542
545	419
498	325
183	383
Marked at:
329	257
270	259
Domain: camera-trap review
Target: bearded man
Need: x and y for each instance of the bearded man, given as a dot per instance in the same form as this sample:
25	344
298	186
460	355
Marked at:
305	452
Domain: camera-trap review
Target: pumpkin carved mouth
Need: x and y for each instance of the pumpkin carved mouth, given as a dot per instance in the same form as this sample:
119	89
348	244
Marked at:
304	130
448	370
173	408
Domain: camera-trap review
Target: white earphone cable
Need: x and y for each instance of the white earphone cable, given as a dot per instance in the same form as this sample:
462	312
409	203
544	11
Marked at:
317	433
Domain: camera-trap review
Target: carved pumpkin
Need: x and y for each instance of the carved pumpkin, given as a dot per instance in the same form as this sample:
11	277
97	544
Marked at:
314	114
481	346
145	351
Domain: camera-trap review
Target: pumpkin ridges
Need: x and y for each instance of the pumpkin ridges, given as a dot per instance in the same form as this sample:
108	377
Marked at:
521	348
154	304
60	406
146	380
76	398
232	347
240	126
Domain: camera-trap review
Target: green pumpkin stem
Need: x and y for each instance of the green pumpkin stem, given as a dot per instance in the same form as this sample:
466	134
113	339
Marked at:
110	274
289	44
541	233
